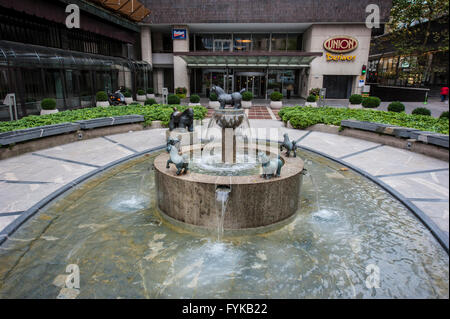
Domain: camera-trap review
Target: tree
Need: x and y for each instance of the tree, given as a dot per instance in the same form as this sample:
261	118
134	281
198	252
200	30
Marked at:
417	27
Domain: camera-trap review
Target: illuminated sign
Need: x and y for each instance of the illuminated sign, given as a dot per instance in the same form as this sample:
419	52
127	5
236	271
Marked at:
340	44
338	58
179	34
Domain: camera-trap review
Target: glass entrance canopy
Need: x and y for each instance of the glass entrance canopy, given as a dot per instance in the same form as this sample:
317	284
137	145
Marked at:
249	59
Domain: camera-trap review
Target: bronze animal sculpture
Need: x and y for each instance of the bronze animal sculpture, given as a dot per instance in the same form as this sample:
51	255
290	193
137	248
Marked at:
233	99
182	120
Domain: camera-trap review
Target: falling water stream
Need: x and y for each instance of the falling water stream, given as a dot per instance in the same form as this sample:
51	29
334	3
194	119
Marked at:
315	190
222	195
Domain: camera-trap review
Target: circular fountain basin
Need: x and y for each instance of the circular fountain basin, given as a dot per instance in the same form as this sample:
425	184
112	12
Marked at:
253	201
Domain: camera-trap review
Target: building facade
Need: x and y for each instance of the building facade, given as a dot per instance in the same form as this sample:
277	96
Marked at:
40	57
263	46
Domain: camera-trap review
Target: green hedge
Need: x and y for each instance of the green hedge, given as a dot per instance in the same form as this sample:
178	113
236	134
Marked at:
101	96
247	96
48	104
194	98
303	117
421	111
311	98
150	113
355	99
173	99
396	107
371	102
276	96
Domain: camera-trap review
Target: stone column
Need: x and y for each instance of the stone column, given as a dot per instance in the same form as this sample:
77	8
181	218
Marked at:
181	75
146	44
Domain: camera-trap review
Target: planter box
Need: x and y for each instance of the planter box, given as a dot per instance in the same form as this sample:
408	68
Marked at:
108	121
37	132
246	104
355	106
311	104
141	98
150	96
214	104
103	104
128	100
276	104
365	126
45	112
431	138
194	104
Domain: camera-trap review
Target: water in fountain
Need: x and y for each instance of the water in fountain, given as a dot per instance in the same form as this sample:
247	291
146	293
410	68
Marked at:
222	195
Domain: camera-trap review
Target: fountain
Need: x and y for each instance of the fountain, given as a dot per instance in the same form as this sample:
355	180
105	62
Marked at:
136	232
232	164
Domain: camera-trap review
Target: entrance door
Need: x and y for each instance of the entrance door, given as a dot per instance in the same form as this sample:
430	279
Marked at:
338	86
254	82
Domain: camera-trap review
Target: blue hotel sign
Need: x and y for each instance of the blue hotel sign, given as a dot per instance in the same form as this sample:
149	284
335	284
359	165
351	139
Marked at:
179	34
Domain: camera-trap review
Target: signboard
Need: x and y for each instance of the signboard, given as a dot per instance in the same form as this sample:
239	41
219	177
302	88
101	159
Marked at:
178	34
361	83
340	44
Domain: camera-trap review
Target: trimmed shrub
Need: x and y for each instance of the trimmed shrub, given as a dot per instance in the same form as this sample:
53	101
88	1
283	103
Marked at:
49	104
314	91
444	115
101	96
140	92
150	113
127	94
150	101
355	99
194	98
421	111
371	102
124	89
213	97
150	91
396	107
302	117
247	96
276	96
311	98
173	99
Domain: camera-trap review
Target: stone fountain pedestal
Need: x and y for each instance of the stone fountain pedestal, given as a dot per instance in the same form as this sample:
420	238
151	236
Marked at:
253	201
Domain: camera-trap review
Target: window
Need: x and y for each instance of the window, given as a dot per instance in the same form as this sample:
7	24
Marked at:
279	42
261	42
242	42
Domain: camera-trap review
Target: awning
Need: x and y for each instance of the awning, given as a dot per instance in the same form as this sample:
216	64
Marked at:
27	55
131	9
248	59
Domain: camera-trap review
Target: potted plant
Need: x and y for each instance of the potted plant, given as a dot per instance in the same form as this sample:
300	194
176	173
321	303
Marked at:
355	101
397	107
311	100
173	99
141	96
247	98
213	101
150	93
150	102
102	99
128	97
371	102
48	106
181	92
194	100
275	100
